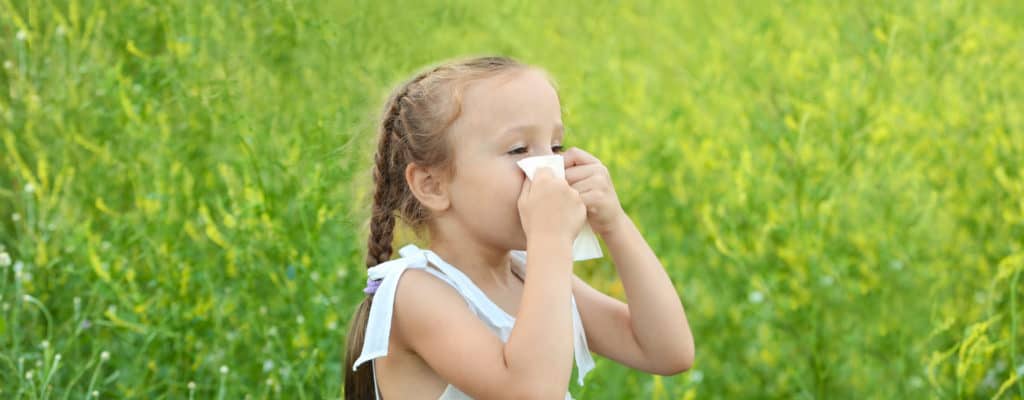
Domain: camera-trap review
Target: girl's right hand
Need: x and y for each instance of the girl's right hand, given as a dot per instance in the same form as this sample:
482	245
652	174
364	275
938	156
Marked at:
549	206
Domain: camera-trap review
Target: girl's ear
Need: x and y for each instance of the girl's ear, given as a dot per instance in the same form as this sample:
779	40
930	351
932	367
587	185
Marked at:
429	187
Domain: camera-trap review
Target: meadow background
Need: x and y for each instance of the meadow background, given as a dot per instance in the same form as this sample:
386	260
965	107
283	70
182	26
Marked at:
837	188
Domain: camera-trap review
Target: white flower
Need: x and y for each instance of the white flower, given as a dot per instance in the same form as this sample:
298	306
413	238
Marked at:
756	297
21	36
268	365
15	217
5	259
29	188
96	394
57	357
60	30
300	319
28	376
191	385
8	64
104	356
223	369
332	325
696	376
45	344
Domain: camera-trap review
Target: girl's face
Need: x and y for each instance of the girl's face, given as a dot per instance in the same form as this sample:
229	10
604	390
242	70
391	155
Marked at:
504	119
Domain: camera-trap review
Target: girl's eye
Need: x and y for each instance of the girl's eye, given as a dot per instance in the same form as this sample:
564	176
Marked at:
523	150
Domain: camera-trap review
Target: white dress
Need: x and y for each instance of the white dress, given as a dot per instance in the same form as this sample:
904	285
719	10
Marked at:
378	326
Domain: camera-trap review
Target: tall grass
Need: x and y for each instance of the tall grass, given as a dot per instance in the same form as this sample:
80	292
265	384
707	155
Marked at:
836	188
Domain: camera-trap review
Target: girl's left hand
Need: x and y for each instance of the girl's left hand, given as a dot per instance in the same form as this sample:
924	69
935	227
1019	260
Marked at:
591	179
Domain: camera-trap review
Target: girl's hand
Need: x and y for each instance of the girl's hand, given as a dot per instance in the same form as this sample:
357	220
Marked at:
549	206
591	179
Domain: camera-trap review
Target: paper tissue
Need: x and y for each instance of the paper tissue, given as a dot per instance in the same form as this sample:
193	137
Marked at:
586	245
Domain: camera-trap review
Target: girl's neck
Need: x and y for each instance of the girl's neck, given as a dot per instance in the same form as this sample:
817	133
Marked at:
486	265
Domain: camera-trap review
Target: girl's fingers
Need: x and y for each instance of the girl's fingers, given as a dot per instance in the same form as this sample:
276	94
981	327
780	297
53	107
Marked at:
578	173
588	184
575	156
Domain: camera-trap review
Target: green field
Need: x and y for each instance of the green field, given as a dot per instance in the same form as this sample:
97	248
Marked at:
837	188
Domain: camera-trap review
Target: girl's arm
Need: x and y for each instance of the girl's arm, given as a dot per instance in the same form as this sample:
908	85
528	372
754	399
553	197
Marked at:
536	363
651	333
432	320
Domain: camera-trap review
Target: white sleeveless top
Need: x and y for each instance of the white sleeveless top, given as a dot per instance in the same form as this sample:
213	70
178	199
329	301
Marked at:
378	326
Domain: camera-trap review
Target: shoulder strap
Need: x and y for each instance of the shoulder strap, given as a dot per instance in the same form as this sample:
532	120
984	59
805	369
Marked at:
378	325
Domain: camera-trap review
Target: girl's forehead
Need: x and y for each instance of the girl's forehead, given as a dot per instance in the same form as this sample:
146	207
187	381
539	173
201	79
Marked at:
498	106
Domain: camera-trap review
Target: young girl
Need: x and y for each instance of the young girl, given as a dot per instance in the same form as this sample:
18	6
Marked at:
464	318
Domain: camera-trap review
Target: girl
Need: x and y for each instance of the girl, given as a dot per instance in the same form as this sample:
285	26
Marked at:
464	319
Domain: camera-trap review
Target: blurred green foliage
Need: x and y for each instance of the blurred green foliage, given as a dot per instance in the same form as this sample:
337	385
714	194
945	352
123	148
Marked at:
837	188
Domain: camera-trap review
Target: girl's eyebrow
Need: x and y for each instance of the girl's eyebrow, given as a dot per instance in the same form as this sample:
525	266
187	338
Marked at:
558	128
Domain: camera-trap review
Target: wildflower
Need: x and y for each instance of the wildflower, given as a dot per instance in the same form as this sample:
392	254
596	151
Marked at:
827	280
191	385
756	297
96	394
696	376
332	325
30	188
223	369
268	365
300	319
60	30
15	217
8	64
1020	370
104	356
86	324
263	310
21	36
5	259
45	344
28	376
56	357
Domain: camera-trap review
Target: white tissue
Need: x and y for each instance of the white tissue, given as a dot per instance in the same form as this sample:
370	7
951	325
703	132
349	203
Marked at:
586	246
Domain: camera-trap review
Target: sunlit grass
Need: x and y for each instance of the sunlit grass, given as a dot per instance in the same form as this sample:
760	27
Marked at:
836	188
